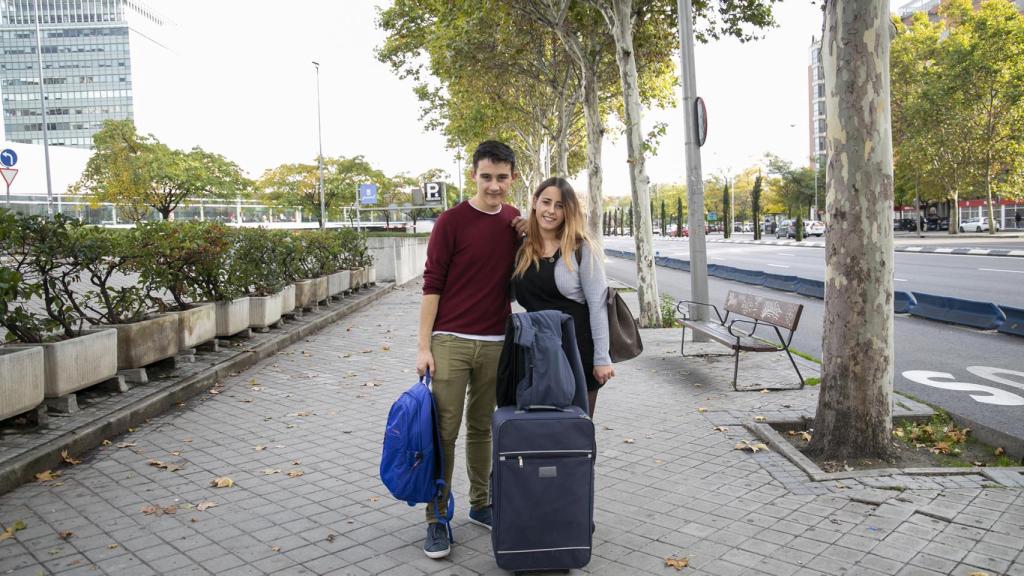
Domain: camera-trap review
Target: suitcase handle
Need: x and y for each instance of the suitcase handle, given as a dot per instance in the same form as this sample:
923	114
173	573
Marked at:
543	408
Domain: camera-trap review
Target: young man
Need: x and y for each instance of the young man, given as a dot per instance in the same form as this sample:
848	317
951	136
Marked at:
462	324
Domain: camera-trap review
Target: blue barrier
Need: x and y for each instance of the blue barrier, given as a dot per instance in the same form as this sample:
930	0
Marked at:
983	315
677	264
811	288
1014	323
755	277
903	302
780	282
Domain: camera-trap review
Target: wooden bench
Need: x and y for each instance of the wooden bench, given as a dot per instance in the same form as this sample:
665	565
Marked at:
744	313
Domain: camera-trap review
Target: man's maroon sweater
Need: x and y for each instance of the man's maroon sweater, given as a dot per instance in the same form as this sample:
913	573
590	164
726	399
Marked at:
469	262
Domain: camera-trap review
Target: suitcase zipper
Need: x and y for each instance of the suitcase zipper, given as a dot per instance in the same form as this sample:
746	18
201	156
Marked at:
519	455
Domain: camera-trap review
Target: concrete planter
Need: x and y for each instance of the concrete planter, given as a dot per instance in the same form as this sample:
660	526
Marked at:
70	365
371	275
339	282
21	380
305	294
322	288
287	299
142	343
196	325
357	278
232	316
264	310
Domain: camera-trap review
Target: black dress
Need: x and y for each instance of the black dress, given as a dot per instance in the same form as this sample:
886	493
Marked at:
537	290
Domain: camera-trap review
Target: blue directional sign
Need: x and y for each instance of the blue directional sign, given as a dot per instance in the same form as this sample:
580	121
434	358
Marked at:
367	193
8	158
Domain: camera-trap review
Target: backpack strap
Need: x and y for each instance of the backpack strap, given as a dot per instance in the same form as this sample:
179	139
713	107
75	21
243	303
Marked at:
439	480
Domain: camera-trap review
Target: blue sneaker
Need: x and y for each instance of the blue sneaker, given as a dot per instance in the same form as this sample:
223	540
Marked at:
437	544
481	516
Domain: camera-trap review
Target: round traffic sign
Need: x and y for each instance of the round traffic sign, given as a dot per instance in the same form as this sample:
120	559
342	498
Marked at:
8	157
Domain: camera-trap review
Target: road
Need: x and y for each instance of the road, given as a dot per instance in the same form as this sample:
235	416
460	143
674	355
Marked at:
984	367
995	279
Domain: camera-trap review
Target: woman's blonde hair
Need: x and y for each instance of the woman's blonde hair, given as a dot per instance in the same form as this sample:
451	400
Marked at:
573	233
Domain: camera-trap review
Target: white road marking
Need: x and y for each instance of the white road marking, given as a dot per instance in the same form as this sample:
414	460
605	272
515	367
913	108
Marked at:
1001	270
783	254
899	279
944	250
778	265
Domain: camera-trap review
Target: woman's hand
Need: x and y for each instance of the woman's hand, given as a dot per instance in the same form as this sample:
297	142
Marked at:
520	224
604	373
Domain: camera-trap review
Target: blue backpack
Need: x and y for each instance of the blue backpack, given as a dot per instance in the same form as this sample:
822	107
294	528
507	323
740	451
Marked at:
412	462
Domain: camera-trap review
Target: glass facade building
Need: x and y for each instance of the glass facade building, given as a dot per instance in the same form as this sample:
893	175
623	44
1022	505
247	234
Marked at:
816	100
87	68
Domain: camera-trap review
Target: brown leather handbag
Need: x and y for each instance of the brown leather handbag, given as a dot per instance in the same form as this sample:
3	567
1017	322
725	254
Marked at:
623	330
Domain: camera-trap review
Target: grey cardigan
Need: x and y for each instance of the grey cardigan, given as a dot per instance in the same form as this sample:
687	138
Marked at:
587	284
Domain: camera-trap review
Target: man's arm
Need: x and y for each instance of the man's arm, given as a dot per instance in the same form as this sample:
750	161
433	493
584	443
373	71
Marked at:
428	313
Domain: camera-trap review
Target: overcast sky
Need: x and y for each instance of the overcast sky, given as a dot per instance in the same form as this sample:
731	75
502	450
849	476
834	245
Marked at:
240	83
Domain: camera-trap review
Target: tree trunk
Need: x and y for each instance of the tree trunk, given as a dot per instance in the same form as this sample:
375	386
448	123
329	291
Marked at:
565	106
595	136
854	415
647	279
988	192
755	200
726	213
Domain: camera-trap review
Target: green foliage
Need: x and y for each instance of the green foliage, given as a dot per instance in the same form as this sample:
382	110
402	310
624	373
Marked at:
793	186
291	185
755	206
170	255
106	256
799	225
668	312
20	322
726	212
258	262
139	173
958	103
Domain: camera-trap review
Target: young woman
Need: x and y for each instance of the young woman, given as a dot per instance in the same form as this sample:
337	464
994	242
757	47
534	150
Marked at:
558	267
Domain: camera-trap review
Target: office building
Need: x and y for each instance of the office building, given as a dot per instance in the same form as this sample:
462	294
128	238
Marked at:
88	47
816	104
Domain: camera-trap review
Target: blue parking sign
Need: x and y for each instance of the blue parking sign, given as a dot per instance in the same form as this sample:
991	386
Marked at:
367	194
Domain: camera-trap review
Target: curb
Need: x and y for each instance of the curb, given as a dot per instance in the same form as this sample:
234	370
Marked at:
23	468
986	316
766	433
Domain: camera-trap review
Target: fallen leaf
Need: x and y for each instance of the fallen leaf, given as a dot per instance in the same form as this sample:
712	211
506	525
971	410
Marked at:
296	462
805	436
295	473
303	413
330	537
978	574
246	400
275	548
941	448
9	532
222	482
677	563
628	440
170	467
112	546
371	384
126	445
66	457
187	440
170	509
721	429
150	510
131	430
47	476
386	348
176	453
760	419
374	498
205	505
659	462
702	409
65	534
1000	451
747	446
979	464
260	448
764	391
105	443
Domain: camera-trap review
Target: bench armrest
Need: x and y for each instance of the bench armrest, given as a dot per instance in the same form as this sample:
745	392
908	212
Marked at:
737	332
679	308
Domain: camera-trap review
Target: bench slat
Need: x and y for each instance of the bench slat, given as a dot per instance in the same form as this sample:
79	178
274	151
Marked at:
768	310
721	334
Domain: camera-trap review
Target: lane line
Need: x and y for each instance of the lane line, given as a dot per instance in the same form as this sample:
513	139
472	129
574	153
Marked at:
776	265
782	254
1001	270
899	279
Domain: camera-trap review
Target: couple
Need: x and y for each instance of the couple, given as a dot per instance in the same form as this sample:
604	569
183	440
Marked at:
474	250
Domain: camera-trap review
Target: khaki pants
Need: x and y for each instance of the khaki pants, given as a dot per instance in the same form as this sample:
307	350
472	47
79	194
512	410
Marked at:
464	378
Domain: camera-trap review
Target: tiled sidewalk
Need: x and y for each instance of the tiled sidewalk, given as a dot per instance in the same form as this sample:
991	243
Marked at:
300	433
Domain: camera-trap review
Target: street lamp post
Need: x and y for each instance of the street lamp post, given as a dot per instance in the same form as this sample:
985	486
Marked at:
320	156
42	109
694	183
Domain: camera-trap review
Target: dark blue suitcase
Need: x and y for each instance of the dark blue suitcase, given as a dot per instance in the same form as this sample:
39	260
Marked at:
542	488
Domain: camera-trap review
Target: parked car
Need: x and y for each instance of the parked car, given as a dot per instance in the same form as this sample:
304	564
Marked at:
975	225
748	227
683	233
786	228
814	228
